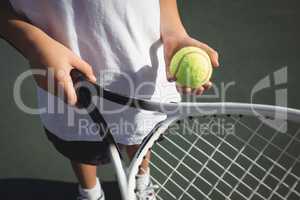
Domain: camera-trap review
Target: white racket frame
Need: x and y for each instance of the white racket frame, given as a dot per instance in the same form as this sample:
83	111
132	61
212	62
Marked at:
127	176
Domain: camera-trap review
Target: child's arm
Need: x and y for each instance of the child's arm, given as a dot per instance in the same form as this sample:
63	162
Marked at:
42	51
175	37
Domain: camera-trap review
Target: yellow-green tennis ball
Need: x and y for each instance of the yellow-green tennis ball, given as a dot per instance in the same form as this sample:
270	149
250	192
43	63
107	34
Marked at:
191	66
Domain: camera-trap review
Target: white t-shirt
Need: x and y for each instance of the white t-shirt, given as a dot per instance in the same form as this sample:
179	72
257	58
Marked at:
120	39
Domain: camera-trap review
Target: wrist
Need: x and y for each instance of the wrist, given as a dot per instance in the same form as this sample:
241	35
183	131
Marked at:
173	34
33	44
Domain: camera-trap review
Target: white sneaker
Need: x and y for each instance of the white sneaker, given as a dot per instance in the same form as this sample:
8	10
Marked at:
91	194
102	197
148	193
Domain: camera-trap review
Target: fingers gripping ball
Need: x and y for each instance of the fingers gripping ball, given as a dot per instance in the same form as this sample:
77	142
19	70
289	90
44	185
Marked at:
191	66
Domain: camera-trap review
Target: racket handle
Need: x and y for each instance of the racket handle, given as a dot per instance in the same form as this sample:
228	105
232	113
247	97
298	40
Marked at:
82	88
84	95
77	76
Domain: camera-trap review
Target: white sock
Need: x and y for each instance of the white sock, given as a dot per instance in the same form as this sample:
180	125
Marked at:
93	193
142	181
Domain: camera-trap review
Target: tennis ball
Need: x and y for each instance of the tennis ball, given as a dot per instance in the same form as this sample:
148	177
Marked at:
191	66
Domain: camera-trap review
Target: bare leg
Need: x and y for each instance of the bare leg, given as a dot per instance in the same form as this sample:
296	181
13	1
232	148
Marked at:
131	150
86	174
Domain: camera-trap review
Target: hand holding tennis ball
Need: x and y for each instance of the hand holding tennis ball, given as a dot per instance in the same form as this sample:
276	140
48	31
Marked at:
191	66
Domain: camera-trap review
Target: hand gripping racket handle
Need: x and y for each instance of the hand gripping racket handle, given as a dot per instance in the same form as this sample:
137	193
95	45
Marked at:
79	77
83	88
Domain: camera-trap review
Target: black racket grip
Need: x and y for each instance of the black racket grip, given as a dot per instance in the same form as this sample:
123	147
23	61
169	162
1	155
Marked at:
77	76
82	88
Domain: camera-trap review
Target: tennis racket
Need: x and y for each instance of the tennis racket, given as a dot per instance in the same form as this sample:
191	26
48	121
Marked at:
195	156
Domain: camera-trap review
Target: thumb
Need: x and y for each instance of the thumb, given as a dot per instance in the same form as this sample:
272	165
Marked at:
168	57
170	77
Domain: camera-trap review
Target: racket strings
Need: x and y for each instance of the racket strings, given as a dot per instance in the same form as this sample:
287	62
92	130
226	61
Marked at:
174	168
269	169
226	169
291	138
169	177
276	163
181	162
204	166
209	158
268	172
196	172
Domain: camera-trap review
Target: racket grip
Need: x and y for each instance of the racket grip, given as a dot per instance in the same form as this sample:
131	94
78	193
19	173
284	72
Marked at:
77	76
82	88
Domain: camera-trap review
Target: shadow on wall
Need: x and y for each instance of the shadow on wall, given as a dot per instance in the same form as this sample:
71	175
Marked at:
34	189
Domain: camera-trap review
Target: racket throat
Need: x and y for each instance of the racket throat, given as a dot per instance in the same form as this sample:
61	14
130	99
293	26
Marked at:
119	169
